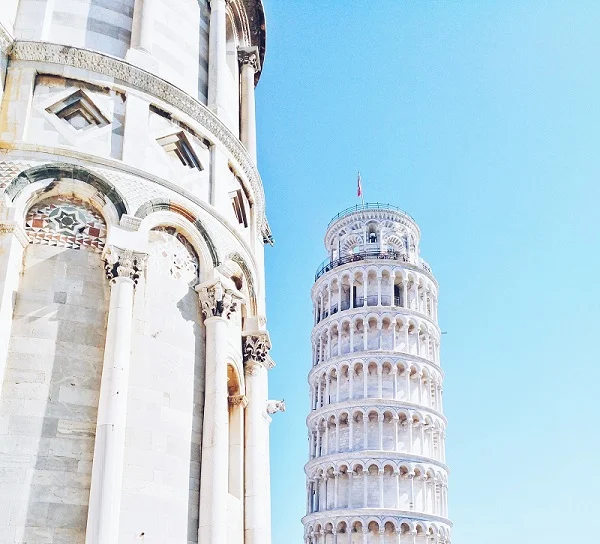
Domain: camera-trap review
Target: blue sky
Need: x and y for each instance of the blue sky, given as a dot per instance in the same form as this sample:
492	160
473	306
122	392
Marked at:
482	120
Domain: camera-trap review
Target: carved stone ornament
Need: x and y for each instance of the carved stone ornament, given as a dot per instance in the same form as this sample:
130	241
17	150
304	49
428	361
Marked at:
217	300
249	55
6	39
238	400
124	263
274	406
256	347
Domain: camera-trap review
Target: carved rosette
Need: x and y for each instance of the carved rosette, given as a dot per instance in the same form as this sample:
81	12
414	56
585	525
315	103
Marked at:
249	55
124	263
217	301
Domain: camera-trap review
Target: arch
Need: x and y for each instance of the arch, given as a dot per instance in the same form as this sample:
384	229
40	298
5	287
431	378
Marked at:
63	170
239	260
164	204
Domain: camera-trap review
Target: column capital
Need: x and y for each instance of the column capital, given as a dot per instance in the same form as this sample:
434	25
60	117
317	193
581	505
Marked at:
218	298
250	56
255	347
124	263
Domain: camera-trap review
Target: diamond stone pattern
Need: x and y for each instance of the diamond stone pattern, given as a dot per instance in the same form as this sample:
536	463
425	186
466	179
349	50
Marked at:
69	223
172	255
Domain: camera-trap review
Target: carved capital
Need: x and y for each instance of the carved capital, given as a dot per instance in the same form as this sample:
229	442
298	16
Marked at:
256	347
274	406
237	400
124	263
250	56
217	300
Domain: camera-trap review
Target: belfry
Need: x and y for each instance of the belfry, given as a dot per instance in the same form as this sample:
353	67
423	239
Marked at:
376	472
134	352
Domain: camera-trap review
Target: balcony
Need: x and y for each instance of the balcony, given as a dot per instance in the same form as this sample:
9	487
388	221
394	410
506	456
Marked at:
367	255
366	207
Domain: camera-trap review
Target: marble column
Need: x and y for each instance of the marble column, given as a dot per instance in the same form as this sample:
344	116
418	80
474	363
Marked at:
13	241
257	500
217	56
123	268
219	300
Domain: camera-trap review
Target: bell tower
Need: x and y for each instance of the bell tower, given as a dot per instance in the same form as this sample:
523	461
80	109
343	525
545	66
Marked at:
377	469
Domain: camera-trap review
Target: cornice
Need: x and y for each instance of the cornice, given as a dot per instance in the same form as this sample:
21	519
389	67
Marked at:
149	83
364	311
371	404
382	514
378	356
367	456
376	263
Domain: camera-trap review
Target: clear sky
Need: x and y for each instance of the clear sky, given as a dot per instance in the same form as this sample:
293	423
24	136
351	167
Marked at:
482	120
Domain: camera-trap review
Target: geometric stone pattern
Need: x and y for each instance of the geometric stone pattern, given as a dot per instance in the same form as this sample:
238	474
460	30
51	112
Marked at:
171	255
65	222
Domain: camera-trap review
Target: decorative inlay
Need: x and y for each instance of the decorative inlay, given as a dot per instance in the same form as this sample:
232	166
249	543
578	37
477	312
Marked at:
171	255
147	82
65	222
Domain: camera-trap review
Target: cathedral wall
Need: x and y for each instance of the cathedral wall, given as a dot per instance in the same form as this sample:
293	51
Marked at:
52	380
166	396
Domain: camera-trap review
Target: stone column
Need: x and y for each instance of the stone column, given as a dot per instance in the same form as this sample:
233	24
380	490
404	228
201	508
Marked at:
257	501
218	301
123	268
142	29
217	56
13	241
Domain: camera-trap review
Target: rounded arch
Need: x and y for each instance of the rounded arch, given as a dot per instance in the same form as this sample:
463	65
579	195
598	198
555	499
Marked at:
188	229
163	204
63	170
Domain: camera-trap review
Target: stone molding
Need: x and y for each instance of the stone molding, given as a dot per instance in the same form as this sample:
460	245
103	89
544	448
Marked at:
6	40
255	348
393	357
217	300
144	81
401	516
370	405
124	263
12	227
360	456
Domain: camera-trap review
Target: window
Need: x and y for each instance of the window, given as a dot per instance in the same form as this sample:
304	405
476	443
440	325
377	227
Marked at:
239	208
79	111
178	147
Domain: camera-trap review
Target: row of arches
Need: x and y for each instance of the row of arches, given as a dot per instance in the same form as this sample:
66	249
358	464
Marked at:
372	530
373	485
407	382
375	286
385	429
372	332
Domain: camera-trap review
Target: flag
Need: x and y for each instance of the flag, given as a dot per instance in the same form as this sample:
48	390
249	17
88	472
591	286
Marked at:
360	193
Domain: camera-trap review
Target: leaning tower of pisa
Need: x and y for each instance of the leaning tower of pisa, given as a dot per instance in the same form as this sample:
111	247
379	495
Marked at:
376	472
134	352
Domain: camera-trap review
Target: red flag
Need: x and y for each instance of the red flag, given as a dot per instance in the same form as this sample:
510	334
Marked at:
360	193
